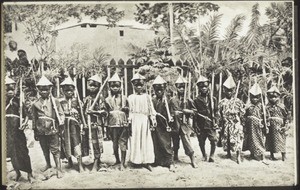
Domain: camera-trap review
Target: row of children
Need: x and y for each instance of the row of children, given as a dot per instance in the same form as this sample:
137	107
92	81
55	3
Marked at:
153	126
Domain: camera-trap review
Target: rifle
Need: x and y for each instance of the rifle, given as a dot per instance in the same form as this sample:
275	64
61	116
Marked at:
89	159
171	119
220	87
21	103
184	103
212	99
264	114
60	122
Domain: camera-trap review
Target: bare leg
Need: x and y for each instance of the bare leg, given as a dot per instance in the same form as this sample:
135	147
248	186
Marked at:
192	157
58	166
283	156
80	169
95	165
272	156
30	177
123	160
238	156
70	163
212	151
18	175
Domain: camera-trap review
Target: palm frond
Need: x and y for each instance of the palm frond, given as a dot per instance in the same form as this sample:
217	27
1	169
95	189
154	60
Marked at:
210	29
234	27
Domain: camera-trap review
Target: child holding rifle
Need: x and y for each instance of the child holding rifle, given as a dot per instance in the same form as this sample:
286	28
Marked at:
205	120
47	123
181	108
94	111
15	137
277	123
254	128
162	136
117	107
231	112
71	137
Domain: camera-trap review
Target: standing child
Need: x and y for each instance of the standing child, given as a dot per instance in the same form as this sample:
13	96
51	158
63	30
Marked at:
15	137
254	134
117	108
232	112
72	133
205	124
47	123
142	121
277	123
181	111
162	138
93	86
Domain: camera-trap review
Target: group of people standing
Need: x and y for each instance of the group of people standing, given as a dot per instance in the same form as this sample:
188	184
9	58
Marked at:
151	127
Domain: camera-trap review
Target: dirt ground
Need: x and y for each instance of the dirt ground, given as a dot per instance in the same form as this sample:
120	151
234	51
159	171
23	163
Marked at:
223	172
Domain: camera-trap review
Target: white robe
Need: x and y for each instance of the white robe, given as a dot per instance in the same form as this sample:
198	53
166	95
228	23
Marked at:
142	149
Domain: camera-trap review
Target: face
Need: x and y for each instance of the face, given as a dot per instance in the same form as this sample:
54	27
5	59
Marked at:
159	90
203	87
68	91
93	86
115	87
228	92
273	97
12	46
138	86
10	90
180	88
255	99
44	91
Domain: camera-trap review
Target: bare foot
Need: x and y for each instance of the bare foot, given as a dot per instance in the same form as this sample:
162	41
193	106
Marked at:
45	168
204	158
59	174
194	165
211	159
147	166
30	177
18	175
172	168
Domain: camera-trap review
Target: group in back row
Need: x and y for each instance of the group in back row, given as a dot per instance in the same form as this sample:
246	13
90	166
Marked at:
152	126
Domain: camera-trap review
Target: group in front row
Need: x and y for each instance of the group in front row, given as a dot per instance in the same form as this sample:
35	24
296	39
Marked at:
153	127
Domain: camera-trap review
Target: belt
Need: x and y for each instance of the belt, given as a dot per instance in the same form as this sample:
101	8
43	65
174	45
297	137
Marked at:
12	115
276	118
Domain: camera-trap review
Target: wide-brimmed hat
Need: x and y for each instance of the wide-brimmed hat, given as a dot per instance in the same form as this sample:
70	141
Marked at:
95	78
115	78
9	80
67	81
44	82
255	89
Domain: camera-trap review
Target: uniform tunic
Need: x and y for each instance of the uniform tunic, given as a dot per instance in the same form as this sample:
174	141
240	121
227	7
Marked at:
162	139
117	121
203	125
277	117
182	129
231	118
71	138
96	128
254	137
15	138
45	124
140	111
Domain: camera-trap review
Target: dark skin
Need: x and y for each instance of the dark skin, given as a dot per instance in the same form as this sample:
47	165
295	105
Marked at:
228	92
115	88
44	91
10	93
68	91
138	86
255	99
159	90
93	87
180	92
203	88
273	98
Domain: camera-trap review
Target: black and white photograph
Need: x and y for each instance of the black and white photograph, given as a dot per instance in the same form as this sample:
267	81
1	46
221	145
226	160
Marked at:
153	94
